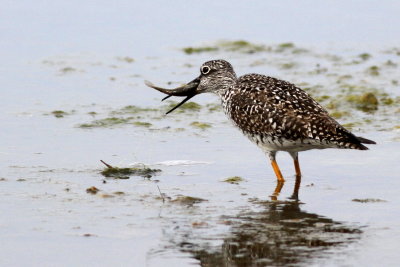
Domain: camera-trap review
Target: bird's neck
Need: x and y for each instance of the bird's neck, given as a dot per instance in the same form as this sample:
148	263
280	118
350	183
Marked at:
225	88
225	96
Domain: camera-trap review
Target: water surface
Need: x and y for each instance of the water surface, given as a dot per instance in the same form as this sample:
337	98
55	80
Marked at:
89	61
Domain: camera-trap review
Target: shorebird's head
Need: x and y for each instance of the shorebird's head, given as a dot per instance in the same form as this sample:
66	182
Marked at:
216	76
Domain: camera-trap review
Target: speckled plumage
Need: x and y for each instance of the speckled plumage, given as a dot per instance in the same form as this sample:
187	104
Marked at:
274	114
282	116
278	116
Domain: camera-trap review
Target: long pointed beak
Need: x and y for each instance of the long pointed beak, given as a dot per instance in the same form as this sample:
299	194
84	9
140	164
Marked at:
189	90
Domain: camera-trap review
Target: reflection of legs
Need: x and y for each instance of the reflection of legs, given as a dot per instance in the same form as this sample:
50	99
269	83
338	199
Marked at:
277	190
295	194
280	180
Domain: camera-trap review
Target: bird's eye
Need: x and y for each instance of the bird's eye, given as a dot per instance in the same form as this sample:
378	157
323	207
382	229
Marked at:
205	69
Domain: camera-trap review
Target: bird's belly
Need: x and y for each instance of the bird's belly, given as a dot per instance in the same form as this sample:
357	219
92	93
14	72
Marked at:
270	143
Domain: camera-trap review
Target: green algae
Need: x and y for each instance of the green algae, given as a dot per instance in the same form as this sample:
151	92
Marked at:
233	180
117	117
349	125
213	107
189	106
200	125
345	77
387	101
339	114
59	113
283	47
196	50
242	46
107	122
187	200
68	70
390	63
368	200
373	71
299	50
239	46
289	65
126	59
286	45
366	102
142	124
322	98
125	173
364	56
132	109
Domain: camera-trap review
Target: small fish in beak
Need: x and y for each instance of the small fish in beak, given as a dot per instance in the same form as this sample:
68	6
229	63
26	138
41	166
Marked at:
189	90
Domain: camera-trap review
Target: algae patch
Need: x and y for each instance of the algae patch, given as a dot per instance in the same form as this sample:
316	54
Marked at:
125	173
284	47
200	125
213	107
368	200
373	71
187	200
240	46
289	65
364	56
142	124
131	109
190	106
196	50
366	102
59	113
339	114
107	122
67	70
233	180
126	59
243	46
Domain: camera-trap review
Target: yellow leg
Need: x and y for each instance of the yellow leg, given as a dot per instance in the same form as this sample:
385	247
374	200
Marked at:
277	171
280	180
297	168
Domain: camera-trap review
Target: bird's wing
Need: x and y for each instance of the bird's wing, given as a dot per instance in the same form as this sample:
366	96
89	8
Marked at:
268	106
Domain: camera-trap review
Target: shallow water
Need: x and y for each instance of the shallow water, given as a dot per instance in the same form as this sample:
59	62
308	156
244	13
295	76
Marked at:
187	214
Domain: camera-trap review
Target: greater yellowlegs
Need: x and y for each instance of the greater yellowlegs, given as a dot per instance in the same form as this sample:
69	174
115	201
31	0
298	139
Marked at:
274	114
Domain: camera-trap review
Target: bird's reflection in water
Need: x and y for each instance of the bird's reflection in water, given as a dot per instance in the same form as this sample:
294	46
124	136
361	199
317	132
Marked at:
280	234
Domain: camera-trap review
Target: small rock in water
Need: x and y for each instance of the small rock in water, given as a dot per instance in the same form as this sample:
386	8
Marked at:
92	190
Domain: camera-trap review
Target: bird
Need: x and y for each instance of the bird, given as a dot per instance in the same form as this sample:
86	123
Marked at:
274	114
